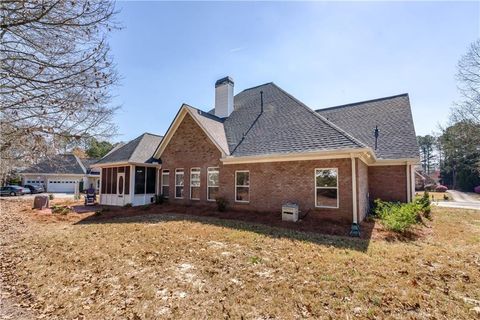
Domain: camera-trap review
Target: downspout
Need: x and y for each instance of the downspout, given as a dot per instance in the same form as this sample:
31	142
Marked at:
407	173
355	229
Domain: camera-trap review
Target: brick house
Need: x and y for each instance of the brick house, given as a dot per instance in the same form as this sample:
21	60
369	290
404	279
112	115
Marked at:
262	148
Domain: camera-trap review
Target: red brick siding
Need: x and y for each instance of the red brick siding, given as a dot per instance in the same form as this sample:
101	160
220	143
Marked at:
388	183
271	184
362	189
275	183
190	148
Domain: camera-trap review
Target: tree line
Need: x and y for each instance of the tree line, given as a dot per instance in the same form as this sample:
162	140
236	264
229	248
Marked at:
455	150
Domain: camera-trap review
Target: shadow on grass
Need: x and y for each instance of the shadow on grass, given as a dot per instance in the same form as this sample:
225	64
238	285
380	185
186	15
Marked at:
313	228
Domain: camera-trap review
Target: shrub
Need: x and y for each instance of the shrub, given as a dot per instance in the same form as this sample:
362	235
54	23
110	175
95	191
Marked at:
63	210
440	188
398	217
222	204
445	197
477	189
99	212
127	205
159	199
51	196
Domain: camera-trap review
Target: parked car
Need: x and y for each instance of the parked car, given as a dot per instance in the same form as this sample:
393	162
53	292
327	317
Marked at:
34	188
26	190
11	191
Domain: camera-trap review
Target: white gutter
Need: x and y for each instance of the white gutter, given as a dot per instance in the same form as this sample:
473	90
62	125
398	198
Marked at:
354	190
297	156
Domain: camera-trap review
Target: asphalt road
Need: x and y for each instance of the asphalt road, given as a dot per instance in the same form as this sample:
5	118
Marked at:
461	200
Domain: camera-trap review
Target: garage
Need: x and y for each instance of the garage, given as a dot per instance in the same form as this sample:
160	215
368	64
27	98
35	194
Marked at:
61	185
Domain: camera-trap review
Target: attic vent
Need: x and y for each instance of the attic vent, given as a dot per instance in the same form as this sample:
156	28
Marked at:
376	134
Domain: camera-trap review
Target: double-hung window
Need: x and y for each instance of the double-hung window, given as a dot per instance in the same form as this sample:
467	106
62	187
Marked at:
212	183
165	183
242	186
179	183
326	188
195	183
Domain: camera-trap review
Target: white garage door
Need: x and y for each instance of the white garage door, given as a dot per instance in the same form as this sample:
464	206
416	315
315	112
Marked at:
61	185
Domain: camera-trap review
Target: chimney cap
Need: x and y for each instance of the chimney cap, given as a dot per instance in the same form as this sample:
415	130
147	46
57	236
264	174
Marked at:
225	80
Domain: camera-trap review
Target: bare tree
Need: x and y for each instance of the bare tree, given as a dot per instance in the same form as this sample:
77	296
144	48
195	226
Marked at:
468	77
56	72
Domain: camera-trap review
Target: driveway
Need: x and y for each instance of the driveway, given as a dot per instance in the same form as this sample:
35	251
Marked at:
461	200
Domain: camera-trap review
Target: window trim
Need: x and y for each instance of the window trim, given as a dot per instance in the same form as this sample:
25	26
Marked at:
217	169
199	180
183	172
165	172
242	186
315	188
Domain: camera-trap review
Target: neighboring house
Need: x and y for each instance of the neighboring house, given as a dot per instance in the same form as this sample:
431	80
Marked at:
263	148
64	173
129	172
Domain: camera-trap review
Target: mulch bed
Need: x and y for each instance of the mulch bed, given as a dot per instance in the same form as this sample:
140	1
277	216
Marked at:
312	222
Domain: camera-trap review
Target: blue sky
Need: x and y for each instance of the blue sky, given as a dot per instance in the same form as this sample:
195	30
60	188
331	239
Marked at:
325	54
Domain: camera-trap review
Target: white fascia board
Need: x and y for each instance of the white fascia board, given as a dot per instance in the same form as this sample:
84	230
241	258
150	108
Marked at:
173	128
393	162
298	156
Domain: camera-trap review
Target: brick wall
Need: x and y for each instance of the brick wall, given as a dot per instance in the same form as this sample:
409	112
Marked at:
388	183
275	183
189	148
271	184
362	189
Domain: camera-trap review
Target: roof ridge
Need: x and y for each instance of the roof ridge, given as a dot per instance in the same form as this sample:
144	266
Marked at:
260	85
206	114
362	102
80	163
322	118
152	134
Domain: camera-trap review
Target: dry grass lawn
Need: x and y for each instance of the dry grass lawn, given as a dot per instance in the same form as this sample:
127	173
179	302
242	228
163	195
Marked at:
180	266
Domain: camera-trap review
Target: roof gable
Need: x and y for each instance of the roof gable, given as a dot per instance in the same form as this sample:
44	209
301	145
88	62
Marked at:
210	124
58	164
138	150
392	115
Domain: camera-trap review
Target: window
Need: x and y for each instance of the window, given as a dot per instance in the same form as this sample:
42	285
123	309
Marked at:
139	180
195	183
242	186
326	188
179	183
212	184
151	179
166	183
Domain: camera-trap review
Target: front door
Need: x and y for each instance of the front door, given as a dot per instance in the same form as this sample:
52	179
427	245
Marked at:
120	186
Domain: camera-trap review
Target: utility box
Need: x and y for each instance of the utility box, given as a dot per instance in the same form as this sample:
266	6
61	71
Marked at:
290	212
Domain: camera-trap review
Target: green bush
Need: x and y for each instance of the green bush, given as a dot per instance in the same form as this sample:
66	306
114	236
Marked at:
159	199
63	210
50	196
398	217
222	204
127	205
424	204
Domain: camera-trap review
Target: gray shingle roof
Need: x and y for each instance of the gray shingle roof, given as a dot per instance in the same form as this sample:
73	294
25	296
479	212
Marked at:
138	150
60	164
392	115
285	126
